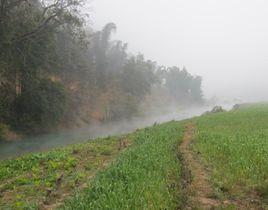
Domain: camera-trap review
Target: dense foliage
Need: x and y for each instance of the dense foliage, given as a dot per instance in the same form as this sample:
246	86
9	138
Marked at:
46	102
92	78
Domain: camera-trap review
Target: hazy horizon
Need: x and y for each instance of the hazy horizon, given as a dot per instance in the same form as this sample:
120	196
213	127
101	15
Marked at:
222	41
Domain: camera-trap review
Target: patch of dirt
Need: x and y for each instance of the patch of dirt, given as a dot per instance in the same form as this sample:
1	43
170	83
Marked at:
123	143
197	186
198	191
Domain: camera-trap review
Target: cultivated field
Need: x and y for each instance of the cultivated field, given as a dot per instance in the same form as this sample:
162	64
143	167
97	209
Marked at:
217	161
45	179
234	146
144	175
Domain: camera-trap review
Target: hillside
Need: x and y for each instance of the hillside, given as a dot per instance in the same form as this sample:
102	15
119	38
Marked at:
57	72
216	161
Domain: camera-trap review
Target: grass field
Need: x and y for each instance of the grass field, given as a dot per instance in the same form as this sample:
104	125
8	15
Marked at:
142	170
234	145
146	176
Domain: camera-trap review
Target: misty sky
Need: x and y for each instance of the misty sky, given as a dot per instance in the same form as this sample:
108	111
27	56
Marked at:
224	41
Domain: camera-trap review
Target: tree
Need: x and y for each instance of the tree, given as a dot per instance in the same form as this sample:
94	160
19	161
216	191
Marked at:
41	108
117	56
53	70
196	89
101	45
137	77
28	31
182	85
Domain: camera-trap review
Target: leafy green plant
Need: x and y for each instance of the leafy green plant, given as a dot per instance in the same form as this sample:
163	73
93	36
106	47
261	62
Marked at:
25	181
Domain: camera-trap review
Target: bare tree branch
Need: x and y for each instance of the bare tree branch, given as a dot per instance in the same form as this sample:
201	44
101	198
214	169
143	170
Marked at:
49	7
45	23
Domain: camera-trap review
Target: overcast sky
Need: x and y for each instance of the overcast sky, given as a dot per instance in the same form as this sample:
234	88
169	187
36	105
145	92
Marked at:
224	41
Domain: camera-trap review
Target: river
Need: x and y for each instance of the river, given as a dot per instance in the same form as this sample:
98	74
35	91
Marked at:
63	138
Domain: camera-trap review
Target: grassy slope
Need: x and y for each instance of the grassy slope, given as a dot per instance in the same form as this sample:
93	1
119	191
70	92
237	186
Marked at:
235	145
33	180
144	177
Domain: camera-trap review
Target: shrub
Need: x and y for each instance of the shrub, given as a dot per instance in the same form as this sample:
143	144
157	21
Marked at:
40	108
4	130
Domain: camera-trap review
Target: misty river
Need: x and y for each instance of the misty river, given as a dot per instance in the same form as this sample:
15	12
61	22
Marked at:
50	141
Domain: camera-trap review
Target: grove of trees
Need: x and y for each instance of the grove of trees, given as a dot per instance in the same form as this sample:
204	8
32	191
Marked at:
55	72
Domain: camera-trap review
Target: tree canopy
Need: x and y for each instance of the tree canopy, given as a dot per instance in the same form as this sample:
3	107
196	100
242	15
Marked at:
54	71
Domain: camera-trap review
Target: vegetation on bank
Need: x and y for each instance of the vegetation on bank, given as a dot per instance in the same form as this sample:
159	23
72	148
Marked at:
234	146
146	176
46	179
55	72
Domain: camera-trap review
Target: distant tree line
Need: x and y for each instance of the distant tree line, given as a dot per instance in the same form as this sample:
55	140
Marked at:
55	72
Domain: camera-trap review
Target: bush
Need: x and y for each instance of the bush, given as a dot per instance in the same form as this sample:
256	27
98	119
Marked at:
6	100
4	130
40	108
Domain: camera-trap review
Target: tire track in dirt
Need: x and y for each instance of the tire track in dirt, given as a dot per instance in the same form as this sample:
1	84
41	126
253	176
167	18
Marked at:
198	191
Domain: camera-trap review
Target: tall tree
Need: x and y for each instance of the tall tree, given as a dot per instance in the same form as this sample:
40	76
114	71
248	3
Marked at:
101	42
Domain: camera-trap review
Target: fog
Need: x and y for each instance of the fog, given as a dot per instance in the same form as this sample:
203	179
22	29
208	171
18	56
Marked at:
66	137
223	41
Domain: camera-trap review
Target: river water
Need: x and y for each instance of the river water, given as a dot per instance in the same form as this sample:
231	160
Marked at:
63	138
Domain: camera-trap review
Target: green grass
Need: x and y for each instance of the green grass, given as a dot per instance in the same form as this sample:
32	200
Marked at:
146	176
25	181
235	146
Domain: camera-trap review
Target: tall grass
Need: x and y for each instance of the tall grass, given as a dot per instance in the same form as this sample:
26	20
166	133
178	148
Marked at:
146	176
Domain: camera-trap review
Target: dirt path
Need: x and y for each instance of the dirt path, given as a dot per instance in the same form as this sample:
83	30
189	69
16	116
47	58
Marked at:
196	180
199	193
